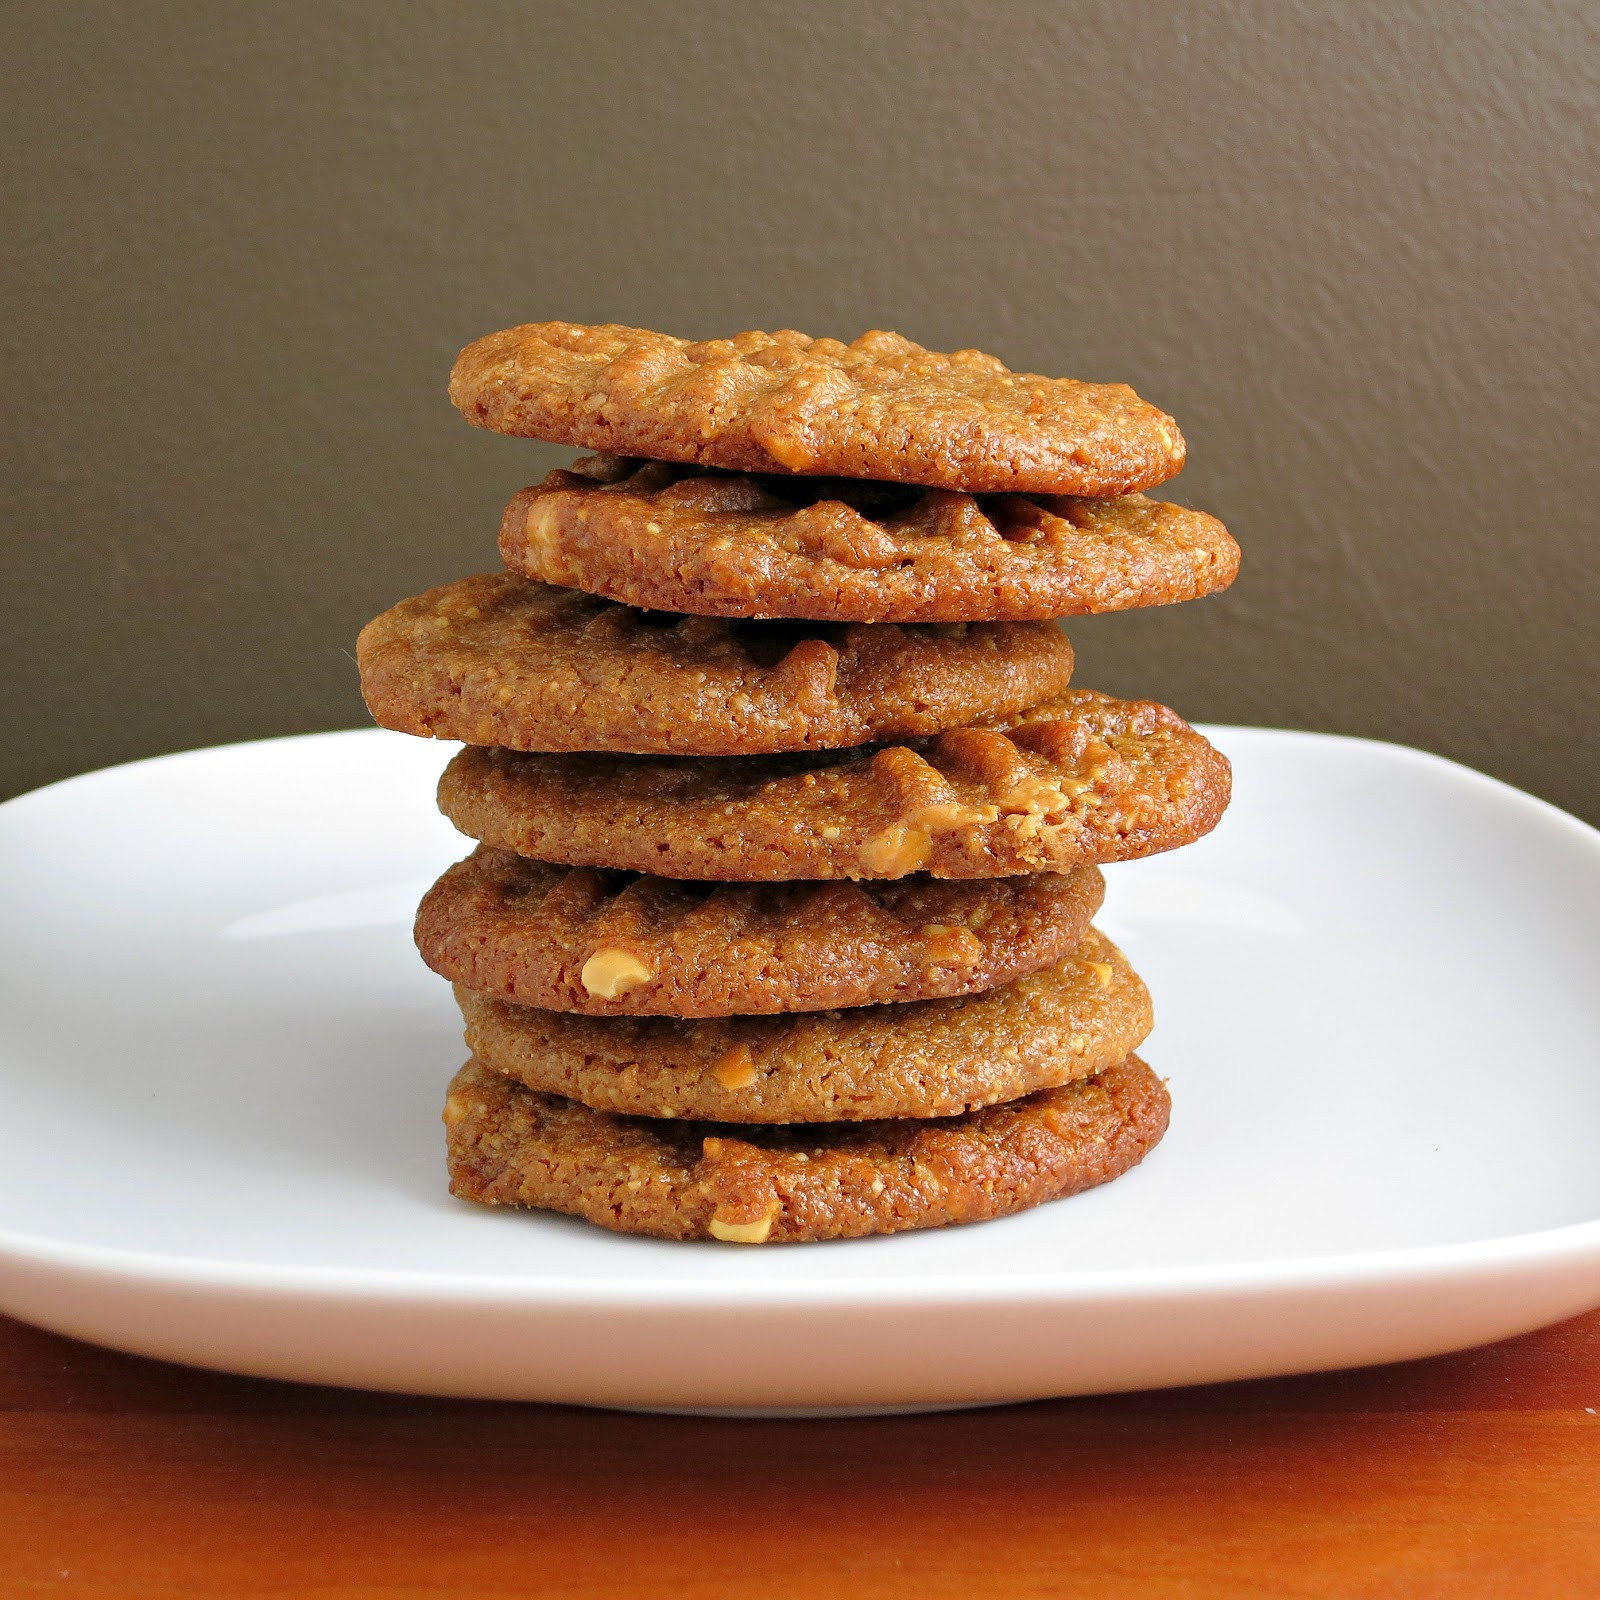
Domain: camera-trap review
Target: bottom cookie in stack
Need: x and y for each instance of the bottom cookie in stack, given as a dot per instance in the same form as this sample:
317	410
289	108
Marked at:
802	1181
811	1125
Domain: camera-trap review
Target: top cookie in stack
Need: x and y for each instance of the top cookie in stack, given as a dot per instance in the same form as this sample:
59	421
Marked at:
795	624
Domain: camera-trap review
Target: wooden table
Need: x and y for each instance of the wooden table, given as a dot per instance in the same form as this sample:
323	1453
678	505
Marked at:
1475	1474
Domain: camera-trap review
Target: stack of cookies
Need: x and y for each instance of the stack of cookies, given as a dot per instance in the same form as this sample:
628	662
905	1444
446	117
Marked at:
789	820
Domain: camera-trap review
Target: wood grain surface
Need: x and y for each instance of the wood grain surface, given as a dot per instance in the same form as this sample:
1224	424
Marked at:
1472	1474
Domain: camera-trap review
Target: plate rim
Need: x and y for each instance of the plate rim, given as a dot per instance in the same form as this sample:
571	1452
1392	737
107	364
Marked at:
1571	1242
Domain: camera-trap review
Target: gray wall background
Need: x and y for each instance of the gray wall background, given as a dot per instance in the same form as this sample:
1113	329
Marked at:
1350	246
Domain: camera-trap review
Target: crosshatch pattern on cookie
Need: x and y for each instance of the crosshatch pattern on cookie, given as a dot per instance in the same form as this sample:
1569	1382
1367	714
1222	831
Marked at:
881	407
732	545
1086	779
616	943
498	659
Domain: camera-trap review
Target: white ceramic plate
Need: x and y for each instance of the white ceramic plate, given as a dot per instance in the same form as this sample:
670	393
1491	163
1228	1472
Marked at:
222	1064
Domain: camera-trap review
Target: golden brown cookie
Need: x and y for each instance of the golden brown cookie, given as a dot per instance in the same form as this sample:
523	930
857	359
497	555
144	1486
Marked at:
500	660
615	944
1088	779
878	407
927	1058
695	1180
731	545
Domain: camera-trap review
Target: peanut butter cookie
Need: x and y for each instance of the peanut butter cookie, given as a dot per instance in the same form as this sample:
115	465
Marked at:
707	1180
1085	779
500	660
878	407
731	545
616	944
927	1058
